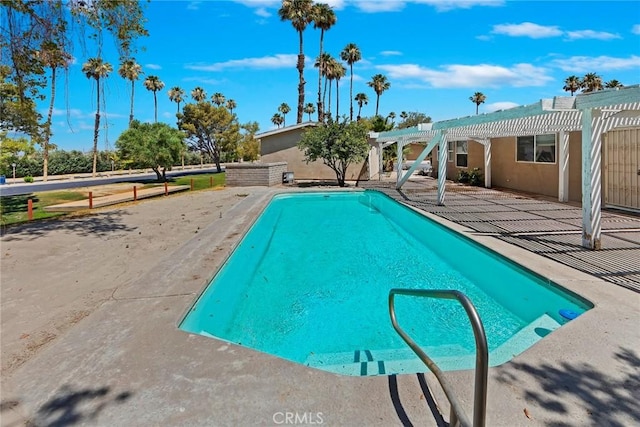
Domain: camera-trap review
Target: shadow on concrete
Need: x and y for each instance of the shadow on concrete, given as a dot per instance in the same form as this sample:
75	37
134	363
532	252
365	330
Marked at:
603	398
399	408
70	407
96	224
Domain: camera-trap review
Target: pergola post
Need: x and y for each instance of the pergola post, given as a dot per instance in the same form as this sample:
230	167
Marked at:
591	178
442	165
563	166
399	147
380	161
486	143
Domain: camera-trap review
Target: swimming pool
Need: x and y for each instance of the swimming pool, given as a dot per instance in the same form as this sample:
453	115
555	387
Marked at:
309	283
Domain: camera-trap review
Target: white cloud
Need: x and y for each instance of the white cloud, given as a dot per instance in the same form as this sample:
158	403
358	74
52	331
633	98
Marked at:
636	29
588	64
265	62
505	105
153	66
194	5
379	6
590	34
203	80
447	5
261	11
527	29
391	53
481	75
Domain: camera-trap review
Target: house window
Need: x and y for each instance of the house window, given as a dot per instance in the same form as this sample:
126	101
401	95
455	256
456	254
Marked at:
450	145
461	154
536	148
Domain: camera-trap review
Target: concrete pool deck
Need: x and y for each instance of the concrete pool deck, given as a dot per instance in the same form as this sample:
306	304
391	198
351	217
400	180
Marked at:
90	307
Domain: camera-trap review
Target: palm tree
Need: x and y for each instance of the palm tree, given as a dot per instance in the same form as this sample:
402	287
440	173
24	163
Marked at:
309	109
339	72
130	70
591	83
478	98
361	99
284	109
572	84
330	69
379	84
176	94
231	105
404	115
54	57
323	18
277	119
322	62
299	13
218	98
97	69
154	84
198	94
613	84
351	54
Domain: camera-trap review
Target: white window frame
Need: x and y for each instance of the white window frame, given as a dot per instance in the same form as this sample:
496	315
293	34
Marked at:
458	151
535	154
450	151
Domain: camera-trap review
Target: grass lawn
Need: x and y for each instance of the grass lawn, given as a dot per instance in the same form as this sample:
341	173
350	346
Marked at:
13	209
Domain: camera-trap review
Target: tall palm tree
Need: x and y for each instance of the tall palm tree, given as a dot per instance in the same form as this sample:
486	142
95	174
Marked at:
309	109
231	105
351	54
97	69
323	18
130	70
198	94
591	83
154	84
404	115
176	94
613	84
322	62
284	109
361	99
478	98
277	119
572	84
53	56
339	72
330	69
379	84
299	13
218	98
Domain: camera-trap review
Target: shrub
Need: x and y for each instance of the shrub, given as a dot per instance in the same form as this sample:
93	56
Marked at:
475	177
28	179
463	177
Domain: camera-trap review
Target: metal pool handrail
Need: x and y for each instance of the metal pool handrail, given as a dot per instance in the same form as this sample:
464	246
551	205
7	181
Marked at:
458	415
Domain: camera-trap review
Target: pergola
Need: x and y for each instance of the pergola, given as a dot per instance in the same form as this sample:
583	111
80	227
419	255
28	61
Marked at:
593	114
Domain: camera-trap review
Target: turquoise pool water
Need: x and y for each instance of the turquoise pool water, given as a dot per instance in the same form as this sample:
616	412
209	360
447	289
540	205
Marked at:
310	280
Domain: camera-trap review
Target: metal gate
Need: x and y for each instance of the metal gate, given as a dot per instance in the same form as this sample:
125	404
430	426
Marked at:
621	169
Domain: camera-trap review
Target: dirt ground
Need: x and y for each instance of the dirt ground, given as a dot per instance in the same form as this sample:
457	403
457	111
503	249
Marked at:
54	273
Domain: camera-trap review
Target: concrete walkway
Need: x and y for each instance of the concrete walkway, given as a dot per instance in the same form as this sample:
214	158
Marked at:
113	199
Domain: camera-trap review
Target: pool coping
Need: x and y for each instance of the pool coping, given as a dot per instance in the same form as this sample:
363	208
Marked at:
131	344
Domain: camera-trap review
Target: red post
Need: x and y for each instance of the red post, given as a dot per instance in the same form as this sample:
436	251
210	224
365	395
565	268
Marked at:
210	181
166	189
30	209
191	184
135	193
90	199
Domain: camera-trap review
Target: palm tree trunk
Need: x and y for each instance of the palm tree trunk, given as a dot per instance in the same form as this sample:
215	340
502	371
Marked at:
337	98
329	103
131	113
477	106
351	94
324	96
47	135
377	102
155	103
320	107
178	108
96	129
301	81
359	109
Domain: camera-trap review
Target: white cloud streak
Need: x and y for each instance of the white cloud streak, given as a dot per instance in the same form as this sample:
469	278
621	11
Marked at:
153	66
527	29
588	64
462	76
265	62
391	53
590	34
636	29
261	11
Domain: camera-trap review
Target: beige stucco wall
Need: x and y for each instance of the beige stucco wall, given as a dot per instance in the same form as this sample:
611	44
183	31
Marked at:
282	147
575	167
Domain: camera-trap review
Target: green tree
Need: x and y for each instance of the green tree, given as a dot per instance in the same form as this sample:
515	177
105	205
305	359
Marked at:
176	94
613	84
379	84
351	54
284	109
218	98
154	84
231	105
361	99
198	94
209	128
277	119
97	69
591	82
309	109
338	144
151	145
249	147
299	13
572	84
478	98
323	18
412	118
12	150
130	70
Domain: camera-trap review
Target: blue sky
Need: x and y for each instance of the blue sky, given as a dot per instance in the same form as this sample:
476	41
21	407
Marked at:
435	54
